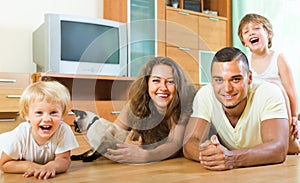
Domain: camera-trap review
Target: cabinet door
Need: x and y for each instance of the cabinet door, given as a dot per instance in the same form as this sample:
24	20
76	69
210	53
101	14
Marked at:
142	32
10	99
187	59
181	29
213	33
140	16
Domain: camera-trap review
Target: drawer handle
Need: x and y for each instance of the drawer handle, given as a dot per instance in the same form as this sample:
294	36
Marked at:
115	112
211	18
183	13
7	119
13	96
8	80
184	49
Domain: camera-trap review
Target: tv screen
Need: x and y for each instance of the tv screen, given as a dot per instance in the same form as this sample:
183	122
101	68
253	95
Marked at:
93	43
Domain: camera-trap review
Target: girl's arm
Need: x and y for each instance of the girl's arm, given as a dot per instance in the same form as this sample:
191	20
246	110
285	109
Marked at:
288	83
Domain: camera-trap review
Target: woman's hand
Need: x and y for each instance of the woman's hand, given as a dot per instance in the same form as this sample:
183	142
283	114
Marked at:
129	152
129	140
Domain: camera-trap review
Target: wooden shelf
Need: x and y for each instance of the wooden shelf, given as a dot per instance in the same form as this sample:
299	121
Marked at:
103	95
36	76
182	37
90	87
222	7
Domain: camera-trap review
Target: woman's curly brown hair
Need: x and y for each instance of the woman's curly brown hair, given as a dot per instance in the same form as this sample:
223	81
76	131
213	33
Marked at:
141	105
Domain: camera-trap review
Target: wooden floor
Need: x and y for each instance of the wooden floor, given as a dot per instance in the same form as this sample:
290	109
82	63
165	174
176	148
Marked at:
174	170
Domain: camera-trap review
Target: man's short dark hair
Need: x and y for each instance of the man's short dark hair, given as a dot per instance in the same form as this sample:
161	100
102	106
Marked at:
229	54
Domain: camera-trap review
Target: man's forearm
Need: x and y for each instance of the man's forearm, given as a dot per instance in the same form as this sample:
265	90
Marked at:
191	149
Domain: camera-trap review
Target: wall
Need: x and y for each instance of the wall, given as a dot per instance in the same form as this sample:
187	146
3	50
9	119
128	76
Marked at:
18	19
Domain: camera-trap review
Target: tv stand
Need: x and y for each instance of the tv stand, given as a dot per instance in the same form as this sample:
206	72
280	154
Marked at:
103	95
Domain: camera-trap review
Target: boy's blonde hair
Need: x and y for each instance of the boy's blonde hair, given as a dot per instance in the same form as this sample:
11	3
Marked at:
50	91
256	19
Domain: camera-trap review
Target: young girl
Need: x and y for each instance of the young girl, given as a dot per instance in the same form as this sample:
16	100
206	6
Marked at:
41	146
256	33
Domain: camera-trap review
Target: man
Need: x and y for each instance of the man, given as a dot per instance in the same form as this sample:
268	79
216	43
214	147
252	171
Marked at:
250	119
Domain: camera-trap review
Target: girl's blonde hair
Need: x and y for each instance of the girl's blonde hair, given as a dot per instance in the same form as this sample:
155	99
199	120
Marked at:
50	91
256	19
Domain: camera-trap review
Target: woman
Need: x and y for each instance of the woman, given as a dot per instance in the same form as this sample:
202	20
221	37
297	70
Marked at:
154	119
159	106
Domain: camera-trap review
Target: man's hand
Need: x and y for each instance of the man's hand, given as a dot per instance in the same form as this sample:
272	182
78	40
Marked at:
214	156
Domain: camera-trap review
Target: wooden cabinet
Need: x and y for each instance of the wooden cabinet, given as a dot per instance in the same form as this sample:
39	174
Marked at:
144	32
11	87
182	42
212	33
191	33
187	59
222	8
103	95
201	31
181	33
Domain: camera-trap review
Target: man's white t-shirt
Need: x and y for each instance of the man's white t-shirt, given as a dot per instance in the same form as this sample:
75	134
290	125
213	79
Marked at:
264	101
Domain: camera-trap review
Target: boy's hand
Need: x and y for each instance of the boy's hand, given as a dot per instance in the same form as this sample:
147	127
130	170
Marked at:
43	172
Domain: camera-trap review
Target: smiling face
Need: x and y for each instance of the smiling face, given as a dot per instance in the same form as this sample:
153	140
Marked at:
45	118
161	86
230	82
255	36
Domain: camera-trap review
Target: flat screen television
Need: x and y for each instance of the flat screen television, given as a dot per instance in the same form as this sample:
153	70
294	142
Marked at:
80	45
